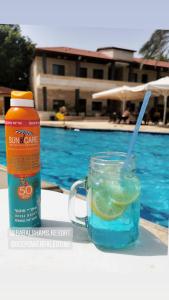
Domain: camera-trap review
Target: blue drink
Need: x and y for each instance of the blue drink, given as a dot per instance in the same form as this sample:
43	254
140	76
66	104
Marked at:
112	202
118	233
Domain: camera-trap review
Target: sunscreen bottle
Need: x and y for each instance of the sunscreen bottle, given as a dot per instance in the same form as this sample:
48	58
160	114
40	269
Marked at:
22	130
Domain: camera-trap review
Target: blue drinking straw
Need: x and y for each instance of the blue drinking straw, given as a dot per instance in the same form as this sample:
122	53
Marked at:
137	127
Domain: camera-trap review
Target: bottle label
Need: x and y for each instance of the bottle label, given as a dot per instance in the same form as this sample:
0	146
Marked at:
23	147
24	195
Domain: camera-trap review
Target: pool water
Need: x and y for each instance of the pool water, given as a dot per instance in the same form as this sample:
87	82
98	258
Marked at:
65	158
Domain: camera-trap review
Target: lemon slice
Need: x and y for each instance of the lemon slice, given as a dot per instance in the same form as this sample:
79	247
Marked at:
105	208
125	193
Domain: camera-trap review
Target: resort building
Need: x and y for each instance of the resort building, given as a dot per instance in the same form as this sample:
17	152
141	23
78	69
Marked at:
62	76
5	94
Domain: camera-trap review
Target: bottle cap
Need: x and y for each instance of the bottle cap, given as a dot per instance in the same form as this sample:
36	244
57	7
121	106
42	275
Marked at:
22	98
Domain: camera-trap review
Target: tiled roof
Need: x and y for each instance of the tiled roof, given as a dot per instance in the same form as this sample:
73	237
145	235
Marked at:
152	62
116	48
5	90
75	51
100	55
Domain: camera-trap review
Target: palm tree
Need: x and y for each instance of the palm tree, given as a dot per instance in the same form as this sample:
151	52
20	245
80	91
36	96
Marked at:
157	47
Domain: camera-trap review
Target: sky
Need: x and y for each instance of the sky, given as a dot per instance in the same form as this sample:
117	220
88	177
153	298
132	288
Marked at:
89	38
105	13
87	24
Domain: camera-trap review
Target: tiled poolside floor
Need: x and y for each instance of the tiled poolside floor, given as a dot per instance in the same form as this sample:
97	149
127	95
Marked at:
104	125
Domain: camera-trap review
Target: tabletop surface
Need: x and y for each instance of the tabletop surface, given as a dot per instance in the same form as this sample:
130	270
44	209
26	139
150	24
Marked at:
55	258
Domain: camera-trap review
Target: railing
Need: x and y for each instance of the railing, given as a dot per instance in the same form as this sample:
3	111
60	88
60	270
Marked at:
72	83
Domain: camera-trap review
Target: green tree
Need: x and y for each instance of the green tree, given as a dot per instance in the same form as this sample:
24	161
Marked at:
16	55
157	47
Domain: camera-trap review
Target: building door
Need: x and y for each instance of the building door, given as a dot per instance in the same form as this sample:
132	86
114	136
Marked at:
97	106
109	106
112	106
82	105
6	104
57	104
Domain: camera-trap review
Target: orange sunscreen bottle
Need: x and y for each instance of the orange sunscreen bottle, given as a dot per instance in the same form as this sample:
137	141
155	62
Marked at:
22	130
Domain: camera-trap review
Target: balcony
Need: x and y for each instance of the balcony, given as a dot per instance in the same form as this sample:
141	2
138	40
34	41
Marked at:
71	83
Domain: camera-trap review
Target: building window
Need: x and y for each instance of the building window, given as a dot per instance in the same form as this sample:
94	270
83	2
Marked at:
144	78
96	106
58	69
134	77
118	73
168	101
57	104
83	72
82	106
98	73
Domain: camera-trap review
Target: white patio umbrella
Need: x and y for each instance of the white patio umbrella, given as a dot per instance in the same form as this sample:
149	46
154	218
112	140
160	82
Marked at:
126	93
123	93
160	87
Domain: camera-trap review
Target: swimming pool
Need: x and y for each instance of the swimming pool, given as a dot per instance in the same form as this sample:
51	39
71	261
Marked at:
65	157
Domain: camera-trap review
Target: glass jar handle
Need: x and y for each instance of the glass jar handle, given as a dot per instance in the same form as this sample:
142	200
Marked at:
73	192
